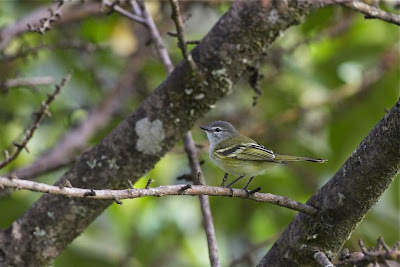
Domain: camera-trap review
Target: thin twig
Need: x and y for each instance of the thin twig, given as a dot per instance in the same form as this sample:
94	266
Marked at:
191	152
25	82
44	110
188	140
160	191
75	140
123	12
177	18
45	23
70	44
157	40
370	12
381	253
149	182
71	11
136	8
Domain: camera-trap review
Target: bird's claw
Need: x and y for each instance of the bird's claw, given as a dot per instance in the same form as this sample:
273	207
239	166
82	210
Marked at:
230	189
251	192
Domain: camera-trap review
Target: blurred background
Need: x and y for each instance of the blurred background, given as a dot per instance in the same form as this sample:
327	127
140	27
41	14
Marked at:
326	83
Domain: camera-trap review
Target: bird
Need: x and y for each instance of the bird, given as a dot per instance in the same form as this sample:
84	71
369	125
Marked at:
241	156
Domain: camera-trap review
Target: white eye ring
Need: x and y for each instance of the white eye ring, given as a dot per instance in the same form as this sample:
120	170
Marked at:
217	129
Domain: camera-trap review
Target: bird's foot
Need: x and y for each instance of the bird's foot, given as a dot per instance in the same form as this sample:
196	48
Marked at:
251	192
230	189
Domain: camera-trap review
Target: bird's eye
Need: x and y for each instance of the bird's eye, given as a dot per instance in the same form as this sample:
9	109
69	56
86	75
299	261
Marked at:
217	129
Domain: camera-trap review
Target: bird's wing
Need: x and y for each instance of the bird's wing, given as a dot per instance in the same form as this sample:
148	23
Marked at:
246	151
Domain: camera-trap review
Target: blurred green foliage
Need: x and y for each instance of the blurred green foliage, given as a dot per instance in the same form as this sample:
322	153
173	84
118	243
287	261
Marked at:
301	112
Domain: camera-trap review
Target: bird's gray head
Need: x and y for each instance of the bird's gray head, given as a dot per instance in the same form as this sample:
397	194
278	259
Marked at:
218	131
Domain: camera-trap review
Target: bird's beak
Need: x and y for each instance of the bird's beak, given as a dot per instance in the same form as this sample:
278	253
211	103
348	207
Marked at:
204	128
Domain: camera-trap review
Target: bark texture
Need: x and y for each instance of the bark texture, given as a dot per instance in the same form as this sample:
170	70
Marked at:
238	40
344	200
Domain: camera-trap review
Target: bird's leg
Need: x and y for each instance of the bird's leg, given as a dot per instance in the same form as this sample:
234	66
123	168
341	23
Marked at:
234	181
250	192
231	183
224	179
245	188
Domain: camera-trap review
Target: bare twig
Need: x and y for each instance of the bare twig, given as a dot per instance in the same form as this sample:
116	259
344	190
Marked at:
322	259
370	12
188	140
75	140
26	82
177	18
156	38
191	152
149	182
160	191
44	110
45	22
71	11
70	44
381	253
124	12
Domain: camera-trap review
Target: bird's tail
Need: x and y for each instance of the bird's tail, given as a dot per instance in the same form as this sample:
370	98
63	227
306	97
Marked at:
286	158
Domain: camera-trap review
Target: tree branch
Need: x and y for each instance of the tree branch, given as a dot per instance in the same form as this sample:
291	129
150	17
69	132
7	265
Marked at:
45	22
344	200
25	82
167	190
322	259
75	140
129	151
71	11
370	12
123	12
191	151
155	37
24	52
188	142
381	253
44	110
177	18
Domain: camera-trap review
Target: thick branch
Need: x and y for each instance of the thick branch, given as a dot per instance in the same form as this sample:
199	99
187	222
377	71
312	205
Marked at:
139	141
168	190
344	201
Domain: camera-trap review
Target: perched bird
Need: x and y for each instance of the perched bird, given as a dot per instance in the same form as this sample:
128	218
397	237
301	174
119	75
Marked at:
240	155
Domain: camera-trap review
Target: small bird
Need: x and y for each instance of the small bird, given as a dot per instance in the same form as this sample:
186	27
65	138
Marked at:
240	155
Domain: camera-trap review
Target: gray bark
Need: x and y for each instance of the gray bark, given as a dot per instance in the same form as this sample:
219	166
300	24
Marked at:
344	200
238	40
